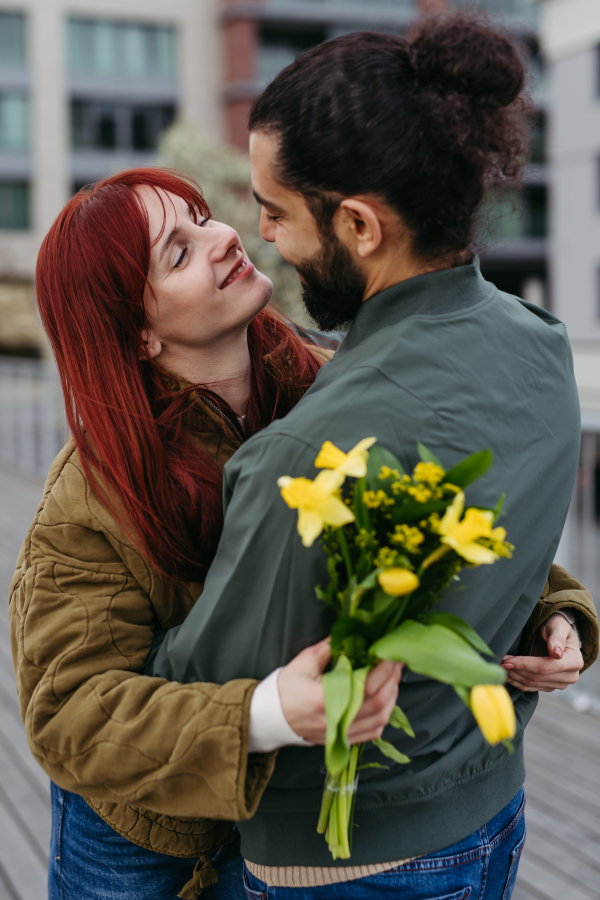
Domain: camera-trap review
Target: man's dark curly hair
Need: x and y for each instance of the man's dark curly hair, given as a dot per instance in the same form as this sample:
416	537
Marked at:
425	123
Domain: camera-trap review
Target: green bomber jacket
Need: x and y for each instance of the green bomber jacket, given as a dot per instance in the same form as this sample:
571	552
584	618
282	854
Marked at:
446	359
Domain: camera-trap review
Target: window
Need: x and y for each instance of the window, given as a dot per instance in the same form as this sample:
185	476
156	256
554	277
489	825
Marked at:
14	121
14	205
279	47
104	47
12	39
118	126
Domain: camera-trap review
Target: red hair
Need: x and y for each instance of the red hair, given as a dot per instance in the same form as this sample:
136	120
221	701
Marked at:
128	427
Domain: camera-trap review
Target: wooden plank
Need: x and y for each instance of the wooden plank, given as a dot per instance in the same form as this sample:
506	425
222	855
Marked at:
546	883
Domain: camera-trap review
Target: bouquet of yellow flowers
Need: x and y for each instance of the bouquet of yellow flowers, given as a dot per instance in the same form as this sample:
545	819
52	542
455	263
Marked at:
395	542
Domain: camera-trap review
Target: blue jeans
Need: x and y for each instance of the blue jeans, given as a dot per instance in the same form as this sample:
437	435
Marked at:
483	866
89	859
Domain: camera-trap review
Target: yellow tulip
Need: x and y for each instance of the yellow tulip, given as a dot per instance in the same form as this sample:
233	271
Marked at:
316	502
462	536
397	582
494	712
353	463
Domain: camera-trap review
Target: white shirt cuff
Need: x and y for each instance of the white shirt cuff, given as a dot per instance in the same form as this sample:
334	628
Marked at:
269	728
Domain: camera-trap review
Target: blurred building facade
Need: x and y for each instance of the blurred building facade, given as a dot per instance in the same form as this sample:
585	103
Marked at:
86	87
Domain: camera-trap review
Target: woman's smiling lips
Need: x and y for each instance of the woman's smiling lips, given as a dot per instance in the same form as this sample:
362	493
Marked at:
241	270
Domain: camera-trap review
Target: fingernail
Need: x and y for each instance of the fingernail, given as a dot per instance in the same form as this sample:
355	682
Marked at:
508	665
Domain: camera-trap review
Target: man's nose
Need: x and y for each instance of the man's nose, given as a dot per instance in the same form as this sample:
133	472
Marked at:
268	228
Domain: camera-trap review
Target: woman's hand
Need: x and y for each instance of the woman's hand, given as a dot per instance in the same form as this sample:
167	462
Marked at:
556	659
303	701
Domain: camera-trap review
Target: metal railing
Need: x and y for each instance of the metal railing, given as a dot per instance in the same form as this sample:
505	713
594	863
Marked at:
32	420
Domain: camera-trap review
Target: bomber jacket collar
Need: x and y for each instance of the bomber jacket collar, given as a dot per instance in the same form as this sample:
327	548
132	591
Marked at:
433	294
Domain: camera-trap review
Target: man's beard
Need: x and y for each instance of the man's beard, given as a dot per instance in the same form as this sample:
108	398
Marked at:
333	286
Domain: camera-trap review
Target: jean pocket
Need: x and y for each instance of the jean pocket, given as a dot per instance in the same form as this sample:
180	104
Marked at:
253	893
511	878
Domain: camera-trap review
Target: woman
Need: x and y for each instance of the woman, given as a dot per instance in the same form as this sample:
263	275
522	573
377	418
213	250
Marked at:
169	359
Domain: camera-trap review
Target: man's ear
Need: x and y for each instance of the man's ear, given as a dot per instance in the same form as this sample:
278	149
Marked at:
360	222
153	345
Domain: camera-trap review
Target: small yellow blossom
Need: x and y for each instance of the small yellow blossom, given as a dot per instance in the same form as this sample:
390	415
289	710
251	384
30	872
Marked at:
375	499
409	538
429	473
365	538
353	463
317	503
494	712
386	473
421	493
451	487
386	557
464	536
398	582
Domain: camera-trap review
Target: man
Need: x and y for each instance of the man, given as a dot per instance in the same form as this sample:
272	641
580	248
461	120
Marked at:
370	155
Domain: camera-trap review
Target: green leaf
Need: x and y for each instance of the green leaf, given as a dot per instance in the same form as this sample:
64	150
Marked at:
464	694
379	457
337	686
458	625
410	510
371	766
427	456
499	507
390	751
437	652
470	469
399	720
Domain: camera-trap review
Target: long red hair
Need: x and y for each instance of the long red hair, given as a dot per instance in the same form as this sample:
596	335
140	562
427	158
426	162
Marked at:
128	427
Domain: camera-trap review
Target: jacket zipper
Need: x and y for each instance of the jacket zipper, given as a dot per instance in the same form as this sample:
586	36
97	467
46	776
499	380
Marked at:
234	426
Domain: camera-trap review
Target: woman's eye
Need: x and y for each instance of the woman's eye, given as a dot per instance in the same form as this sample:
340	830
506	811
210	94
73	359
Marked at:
272	218
181	258
202	222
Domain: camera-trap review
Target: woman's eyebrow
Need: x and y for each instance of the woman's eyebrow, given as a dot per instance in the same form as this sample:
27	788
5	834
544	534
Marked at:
176	231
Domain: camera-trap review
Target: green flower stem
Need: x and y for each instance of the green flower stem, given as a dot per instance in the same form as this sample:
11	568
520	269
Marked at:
433	557
345	552
399	613
329	793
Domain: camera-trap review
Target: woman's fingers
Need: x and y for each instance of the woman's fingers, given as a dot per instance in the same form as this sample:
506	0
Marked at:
383	672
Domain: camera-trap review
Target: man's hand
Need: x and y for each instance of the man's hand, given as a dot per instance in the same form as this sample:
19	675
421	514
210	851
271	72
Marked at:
303	700
556	659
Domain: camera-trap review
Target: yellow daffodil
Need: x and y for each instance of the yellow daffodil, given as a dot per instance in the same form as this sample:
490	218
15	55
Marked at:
397	582
316	502
353	463
494	712
463	536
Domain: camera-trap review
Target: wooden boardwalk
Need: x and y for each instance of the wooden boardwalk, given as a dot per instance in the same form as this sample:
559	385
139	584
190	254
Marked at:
561	860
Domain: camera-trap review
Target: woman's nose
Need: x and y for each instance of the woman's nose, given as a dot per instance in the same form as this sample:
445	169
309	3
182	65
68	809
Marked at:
268	228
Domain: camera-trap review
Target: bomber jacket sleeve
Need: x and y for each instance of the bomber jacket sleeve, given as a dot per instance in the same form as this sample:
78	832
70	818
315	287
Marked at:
562	591
82	626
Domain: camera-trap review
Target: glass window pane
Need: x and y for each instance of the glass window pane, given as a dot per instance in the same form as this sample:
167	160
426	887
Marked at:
134	56
108	47
14	205
105	48
14	122
12	39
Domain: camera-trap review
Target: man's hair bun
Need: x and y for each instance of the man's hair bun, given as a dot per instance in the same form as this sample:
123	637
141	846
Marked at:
463	54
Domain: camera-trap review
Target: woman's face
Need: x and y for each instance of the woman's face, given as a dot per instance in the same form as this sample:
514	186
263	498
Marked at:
205	288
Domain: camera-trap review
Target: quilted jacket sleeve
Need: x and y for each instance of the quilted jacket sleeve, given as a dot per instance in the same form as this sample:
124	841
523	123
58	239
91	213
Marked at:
82	624
562	591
